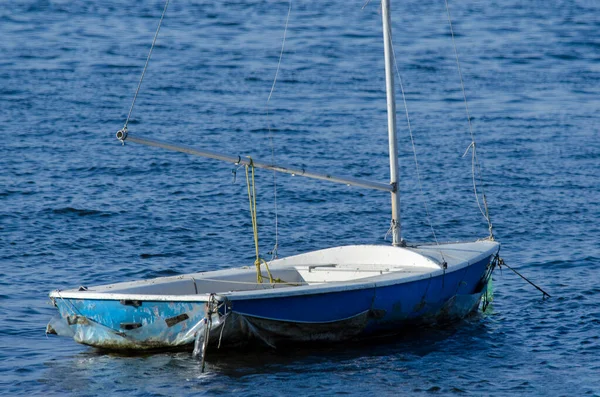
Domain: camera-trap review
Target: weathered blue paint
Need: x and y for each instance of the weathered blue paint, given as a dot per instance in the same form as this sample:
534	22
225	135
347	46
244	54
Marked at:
102	323
112	313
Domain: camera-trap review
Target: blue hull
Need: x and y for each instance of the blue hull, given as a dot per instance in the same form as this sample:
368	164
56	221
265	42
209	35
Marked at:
337	315
365	312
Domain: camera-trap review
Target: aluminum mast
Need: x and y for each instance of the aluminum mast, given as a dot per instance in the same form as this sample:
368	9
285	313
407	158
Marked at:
391	111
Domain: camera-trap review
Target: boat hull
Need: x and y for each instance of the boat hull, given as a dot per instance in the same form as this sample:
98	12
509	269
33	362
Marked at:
333	316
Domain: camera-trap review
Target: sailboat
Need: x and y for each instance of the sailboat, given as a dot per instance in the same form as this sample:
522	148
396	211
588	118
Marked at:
335	294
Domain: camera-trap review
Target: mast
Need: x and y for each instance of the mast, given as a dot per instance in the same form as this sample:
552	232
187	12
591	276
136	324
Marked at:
391	112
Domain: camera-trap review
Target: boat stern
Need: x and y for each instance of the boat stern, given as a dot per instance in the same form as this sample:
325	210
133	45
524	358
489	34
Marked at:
126	324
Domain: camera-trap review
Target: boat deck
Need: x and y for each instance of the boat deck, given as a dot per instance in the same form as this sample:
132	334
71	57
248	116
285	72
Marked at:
349	265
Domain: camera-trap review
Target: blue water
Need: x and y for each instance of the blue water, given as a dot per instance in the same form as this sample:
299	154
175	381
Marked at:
77	208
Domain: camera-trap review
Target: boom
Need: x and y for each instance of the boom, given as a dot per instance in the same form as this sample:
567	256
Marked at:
123	136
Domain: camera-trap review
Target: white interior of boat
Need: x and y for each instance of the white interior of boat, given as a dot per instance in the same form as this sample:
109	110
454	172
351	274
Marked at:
333	266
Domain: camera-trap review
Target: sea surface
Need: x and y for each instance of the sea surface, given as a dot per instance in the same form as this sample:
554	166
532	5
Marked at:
78	208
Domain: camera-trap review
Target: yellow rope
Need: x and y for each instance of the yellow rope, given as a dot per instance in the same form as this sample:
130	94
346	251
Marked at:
252	200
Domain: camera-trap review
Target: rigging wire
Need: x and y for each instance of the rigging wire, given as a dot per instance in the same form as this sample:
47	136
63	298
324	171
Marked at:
412	141
145	67
287	20
475	165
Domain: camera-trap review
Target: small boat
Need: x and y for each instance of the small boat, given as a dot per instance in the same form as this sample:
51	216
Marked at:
335	294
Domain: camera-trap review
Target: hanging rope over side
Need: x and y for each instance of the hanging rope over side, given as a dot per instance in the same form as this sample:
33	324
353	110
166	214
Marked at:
475	166
252	199
122	133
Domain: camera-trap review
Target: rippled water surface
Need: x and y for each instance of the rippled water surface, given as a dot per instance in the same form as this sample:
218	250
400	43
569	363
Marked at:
77	208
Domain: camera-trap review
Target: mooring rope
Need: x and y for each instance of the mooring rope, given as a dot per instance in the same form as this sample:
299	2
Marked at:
501	263
211	307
